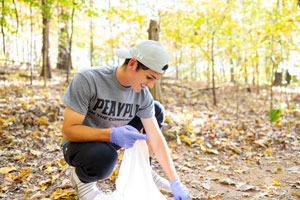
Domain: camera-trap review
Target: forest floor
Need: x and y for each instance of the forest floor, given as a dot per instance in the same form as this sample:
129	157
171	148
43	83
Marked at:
231	151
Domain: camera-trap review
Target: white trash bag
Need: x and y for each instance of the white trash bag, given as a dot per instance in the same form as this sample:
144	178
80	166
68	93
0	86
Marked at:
134	181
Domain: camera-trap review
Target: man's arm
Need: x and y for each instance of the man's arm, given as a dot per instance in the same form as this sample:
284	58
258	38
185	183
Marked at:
74	131
159	147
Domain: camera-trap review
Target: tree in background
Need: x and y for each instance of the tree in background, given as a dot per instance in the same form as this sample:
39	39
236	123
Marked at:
46	69
241	47
63	38
153	32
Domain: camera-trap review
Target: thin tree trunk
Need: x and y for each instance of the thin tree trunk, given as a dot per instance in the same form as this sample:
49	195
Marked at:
274	68
92	35
213	68
92	41
153	34
17	29
231	71
176	63
213	60
2	26
17	18
46	69
257	72
208	66
253	73
70	43
31	45
245	71
63	49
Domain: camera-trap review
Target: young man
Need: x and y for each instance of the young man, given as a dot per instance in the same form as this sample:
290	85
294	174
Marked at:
105	110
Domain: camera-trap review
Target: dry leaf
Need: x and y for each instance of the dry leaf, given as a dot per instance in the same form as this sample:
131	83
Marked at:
275	183
293	169
5	170
206	185
210	168
227	181
245	187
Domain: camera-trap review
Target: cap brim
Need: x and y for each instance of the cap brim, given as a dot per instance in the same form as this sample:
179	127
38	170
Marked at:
123	53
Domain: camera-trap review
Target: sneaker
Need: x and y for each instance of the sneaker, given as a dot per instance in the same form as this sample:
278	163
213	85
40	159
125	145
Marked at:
85	191
161	183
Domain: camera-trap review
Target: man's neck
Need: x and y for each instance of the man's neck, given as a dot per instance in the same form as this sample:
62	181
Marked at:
122	77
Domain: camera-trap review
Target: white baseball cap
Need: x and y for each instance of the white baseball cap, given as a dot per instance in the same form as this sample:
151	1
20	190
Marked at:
149	52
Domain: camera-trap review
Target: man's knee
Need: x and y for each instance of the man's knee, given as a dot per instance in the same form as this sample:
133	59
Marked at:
98	162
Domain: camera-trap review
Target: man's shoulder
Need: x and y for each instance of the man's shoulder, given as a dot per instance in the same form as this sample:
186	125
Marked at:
93	70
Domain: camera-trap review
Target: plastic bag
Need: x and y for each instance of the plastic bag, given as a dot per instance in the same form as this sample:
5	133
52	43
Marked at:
135	181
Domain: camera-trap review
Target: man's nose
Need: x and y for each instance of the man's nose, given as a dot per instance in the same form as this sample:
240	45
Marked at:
150	84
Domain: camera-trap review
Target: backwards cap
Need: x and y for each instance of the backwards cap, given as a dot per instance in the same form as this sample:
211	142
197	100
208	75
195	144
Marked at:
149	52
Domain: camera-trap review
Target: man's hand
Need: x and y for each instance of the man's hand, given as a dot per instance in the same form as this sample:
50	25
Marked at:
179	190
125	136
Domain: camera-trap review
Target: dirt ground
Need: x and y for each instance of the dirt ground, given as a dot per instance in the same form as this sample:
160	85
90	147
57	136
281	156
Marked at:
231	151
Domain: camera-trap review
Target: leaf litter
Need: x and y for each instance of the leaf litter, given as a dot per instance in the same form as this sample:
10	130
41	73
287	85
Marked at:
219	152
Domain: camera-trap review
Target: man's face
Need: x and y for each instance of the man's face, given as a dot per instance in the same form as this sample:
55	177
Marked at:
143	78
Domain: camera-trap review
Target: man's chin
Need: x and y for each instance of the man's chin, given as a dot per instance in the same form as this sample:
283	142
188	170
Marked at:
138	90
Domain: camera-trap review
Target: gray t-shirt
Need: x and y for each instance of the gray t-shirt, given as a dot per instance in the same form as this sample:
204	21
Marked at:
97	94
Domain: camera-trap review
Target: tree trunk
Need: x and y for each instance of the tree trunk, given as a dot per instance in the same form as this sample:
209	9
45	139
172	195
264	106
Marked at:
153	34
257	73
245	70
288	77
208	66
91	41
63	51
212	58
176	62
70	43
278	78
46	69
253	75
2	26
213	68
31	45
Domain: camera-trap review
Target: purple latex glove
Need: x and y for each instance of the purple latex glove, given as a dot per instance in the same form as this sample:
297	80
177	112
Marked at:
125	136
179	190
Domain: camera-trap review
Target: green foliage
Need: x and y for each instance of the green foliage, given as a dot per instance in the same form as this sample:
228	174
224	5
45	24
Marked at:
252	30
274	114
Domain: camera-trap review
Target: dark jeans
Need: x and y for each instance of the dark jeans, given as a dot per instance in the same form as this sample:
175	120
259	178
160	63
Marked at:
96	160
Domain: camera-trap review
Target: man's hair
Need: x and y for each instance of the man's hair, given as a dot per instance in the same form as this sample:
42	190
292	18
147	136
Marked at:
141	66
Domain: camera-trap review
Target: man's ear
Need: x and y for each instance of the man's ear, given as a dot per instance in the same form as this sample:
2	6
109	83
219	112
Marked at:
132	64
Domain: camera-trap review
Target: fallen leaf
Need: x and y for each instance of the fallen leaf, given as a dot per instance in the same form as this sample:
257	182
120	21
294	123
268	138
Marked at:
35	152
5	170
245	187
210	168
275	183
206	185
19	157
295	194
245	195
293	169
268	152
227	181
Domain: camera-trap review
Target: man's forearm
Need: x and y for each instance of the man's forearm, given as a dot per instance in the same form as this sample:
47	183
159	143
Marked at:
81	133
159	147
163	156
